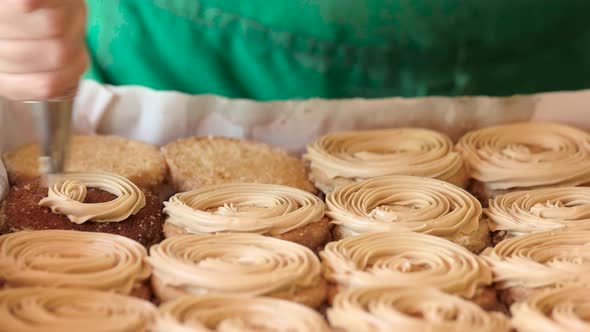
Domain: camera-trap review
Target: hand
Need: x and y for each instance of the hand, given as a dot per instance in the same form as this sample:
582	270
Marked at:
42	50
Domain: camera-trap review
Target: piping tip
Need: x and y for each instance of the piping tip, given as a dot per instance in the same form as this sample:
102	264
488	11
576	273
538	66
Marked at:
53	119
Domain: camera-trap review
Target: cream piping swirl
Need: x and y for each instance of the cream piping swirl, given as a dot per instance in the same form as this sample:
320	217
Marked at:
57	310
237	314
540	210
402	260
526	155
366	154
543	259
66	196
246	264
394	203
410	310
254	208
71	259
556	310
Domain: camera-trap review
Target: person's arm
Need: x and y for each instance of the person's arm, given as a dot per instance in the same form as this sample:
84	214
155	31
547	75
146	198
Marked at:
42	50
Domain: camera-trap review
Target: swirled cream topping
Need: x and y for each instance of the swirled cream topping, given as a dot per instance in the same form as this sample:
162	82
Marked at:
404	259
527	155
410	310
540	210
556	310
254	208
58	310
543	259
232	313
68	193
394	203
245	264
72	259
366	154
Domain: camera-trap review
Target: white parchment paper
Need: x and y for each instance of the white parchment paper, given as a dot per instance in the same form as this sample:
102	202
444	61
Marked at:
160	117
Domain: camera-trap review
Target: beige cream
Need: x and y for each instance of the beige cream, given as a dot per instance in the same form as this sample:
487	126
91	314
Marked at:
527	155
404	259
58	310
346	157
253	208
540	260
72	259
556	310
227	263
67	193
384	309
231	313
407	203
525	212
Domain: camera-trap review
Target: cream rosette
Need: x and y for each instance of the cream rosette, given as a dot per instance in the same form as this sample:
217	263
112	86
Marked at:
527	155
404	259
226	263
533	211
556	310
67	193
58	310
243	207
410	310
359	155
210	313
72	259
394	203
545	259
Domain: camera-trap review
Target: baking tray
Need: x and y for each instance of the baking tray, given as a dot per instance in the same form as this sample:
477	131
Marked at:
159	117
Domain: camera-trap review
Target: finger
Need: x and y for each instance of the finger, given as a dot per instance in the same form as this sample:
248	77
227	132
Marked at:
40	24
23	57
30	56
43	86
27	6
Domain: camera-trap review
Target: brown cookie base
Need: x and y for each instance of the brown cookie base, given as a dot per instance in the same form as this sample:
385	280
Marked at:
21	211
513	295
313	236
313	297
142	291
500	236
484	194
487	299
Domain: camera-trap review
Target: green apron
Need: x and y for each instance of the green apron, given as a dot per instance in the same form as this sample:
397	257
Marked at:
280	49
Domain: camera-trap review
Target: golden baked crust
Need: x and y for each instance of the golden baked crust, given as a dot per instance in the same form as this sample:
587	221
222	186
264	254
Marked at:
140	162
198	161
312	236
